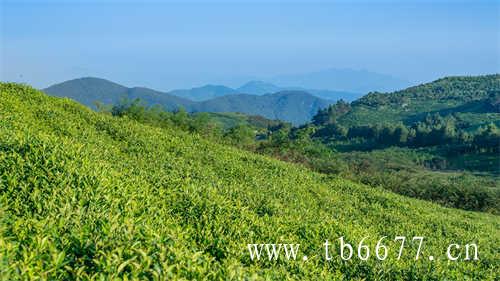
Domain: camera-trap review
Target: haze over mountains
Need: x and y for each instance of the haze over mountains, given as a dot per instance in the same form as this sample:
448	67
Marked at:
256	87
350	80
293	106
331	83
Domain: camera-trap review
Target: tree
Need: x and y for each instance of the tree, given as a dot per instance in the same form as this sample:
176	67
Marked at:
387	135
241	135
181	118
135	109
331	114
488	138
401	134
332	131
103	108
279	134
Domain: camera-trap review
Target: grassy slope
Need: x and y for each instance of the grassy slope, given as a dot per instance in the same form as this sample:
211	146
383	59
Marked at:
88	195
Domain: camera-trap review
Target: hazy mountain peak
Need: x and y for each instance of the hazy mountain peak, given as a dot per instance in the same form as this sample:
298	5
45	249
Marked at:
91	81
88	90
213	86
256	87
257	83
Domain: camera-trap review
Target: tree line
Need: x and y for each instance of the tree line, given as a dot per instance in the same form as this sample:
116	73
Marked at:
432	131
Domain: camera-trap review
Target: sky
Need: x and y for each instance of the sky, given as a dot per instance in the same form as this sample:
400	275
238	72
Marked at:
178	44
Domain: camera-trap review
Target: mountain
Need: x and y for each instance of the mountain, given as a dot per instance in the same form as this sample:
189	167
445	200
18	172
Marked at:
88	90
473	100
349	80
204	93
260	88
91	196
296	107
256	87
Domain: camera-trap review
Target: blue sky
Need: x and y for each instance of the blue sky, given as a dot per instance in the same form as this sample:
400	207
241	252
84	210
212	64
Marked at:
167	44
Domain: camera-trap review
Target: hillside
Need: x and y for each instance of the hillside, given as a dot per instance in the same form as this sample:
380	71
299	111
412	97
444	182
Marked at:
292	106
87	195
472	99
437	141
90	90
229	120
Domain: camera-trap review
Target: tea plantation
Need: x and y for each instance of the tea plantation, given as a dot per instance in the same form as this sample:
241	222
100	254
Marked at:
88	196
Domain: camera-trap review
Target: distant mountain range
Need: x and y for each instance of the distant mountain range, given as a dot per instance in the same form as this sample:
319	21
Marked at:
296	100
207	92
331	84
260	88
295	106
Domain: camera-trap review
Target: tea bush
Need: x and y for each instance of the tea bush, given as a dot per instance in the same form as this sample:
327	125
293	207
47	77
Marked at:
88	196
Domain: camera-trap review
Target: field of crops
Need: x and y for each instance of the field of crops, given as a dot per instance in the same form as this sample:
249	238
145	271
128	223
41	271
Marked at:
89	196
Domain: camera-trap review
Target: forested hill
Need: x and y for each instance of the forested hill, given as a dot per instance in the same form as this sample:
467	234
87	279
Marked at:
296	107
89	91
473	99
459	89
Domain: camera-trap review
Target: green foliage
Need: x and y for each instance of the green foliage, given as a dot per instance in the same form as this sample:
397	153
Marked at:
458	88
241	135
472	99
331	114
488	138
415	178
228	120
331	132
88	196
406	171
456	119
409	171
